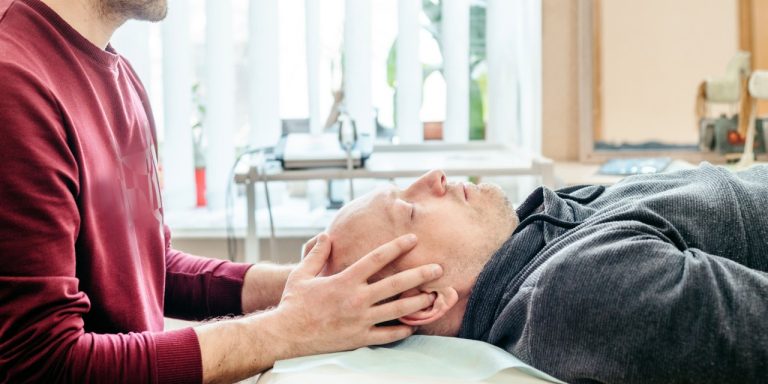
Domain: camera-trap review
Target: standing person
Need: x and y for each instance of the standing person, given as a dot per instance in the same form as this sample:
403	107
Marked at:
87	270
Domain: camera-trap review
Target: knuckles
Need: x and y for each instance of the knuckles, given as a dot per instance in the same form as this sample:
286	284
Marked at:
395	284
379	257
400	308
426	274
358	301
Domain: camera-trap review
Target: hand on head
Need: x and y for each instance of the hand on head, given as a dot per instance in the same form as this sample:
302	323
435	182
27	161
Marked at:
340	312
342	289
440	303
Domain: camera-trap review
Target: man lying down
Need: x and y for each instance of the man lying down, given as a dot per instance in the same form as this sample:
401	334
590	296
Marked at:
660	278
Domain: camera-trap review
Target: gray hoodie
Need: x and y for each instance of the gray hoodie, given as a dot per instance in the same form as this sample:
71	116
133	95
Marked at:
657	279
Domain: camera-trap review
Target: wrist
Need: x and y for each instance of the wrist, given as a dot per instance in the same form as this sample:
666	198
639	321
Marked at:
272	331
263	286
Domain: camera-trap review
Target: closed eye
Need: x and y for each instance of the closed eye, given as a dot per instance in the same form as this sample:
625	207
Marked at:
407	205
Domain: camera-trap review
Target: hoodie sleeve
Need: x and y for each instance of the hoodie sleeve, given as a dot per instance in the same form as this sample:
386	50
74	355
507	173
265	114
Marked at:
197	288
622	303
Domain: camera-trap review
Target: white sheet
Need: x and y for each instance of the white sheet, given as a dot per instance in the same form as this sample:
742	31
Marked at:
418	359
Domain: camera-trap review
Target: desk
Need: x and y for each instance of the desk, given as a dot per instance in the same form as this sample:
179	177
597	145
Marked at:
388	162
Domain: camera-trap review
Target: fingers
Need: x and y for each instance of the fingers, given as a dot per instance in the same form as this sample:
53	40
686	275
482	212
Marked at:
315	260
389	334
405	280
401	307
380	257
306	247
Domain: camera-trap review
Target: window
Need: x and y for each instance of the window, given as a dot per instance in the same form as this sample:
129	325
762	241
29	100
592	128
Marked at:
224	75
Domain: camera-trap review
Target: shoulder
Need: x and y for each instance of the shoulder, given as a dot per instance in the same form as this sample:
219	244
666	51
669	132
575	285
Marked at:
25	48
29	109
604	264
4	4
619	241
21	85
24	57
597	286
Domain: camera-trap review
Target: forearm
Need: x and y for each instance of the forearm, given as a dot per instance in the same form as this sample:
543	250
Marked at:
316	314
233	350
49	346
197	288
263	286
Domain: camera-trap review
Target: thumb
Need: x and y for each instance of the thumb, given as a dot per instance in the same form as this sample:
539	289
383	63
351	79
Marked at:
306	247
315	260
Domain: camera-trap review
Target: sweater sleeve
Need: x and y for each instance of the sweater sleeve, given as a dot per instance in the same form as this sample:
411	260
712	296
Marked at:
42	333
625	304
197	287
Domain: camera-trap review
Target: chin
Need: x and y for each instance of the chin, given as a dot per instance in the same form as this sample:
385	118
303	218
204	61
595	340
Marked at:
498	205
144	10
155	12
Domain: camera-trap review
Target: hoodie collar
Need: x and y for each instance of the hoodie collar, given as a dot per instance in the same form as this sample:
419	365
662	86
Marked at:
544	216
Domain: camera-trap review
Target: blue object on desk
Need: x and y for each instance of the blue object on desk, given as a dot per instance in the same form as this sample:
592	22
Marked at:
623	167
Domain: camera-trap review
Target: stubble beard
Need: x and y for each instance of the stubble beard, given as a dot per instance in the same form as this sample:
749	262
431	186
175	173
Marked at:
502	212
145	10
499	219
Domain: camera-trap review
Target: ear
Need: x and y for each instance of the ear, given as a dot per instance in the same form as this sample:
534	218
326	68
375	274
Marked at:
445	299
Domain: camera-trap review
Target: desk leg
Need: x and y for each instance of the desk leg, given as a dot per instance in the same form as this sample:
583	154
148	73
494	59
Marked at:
251	233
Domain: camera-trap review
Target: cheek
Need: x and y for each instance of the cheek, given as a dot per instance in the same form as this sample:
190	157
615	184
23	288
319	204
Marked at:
451	226
424	253
448	233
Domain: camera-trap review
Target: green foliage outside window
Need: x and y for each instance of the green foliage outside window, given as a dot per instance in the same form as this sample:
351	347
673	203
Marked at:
478	81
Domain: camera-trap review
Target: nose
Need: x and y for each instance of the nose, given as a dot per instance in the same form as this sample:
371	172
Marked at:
432	182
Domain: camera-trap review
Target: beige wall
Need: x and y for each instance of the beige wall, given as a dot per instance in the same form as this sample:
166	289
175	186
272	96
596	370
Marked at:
654	55
560	66
559	80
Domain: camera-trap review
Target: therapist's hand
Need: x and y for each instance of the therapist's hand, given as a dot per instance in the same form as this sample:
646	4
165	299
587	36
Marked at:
333	313
317	314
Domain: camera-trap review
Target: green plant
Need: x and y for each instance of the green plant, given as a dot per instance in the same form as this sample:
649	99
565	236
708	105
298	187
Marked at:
477	55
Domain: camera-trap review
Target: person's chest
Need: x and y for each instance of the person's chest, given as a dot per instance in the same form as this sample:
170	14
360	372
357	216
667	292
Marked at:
121	243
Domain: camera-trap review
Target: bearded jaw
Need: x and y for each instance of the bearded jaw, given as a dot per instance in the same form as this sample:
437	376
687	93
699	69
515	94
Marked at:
145	10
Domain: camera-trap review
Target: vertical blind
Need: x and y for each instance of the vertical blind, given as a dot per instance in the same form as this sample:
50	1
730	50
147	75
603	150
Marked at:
513	60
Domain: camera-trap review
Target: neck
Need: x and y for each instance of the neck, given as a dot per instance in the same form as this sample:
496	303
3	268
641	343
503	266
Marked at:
88	19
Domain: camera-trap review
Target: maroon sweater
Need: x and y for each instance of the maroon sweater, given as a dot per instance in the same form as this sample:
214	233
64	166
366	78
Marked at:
86	267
